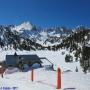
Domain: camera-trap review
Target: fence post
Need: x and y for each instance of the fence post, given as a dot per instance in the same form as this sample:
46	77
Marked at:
32	75
59	78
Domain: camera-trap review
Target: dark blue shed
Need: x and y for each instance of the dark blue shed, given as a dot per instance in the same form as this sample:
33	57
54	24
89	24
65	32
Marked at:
13	60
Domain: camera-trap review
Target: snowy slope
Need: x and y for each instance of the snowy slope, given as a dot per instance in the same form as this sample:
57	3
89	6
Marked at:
46	79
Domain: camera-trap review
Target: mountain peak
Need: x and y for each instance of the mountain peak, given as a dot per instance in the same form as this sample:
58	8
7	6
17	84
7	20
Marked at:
23	26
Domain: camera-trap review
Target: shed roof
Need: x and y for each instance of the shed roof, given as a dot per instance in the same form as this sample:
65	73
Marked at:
12	59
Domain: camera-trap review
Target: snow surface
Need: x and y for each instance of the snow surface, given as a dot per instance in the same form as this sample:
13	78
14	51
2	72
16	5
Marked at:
45	79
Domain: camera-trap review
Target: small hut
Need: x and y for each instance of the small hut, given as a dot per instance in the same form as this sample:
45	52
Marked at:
20	60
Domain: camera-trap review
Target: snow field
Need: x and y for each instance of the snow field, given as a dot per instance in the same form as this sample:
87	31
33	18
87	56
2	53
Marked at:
46	79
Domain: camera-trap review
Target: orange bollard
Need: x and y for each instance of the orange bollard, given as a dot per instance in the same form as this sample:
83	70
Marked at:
32	75
58	78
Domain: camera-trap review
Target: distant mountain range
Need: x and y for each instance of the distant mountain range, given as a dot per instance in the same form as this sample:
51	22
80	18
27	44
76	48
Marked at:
49	36
31	35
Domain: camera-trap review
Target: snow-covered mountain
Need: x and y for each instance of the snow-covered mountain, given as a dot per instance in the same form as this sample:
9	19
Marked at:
29	36
23	26
42	36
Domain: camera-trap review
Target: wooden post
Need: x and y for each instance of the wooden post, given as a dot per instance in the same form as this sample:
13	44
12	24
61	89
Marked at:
58	78
32	75
2	70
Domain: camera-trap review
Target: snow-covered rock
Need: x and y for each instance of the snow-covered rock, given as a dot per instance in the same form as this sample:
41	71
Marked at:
23	26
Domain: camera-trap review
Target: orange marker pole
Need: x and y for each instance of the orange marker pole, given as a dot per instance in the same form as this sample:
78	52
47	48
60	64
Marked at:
58	78
32	75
